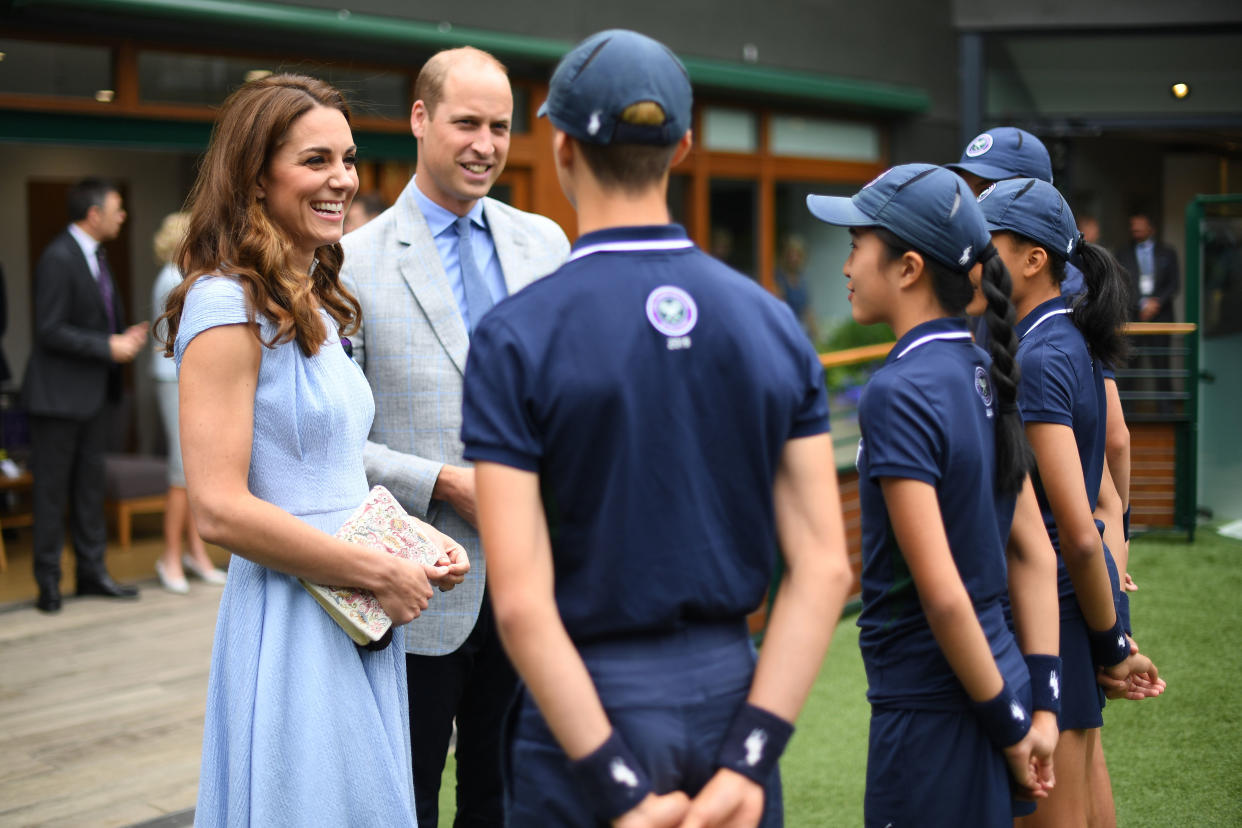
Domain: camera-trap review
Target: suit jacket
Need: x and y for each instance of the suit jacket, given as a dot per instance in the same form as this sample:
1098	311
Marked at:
412	347
70	373
1168	279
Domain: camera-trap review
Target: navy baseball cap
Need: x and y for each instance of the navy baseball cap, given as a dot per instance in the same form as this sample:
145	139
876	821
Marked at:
610	71
1031	208
925	205
1006	152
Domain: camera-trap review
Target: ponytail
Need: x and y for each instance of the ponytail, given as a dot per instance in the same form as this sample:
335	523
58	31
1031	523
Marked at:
1013	454
1100	312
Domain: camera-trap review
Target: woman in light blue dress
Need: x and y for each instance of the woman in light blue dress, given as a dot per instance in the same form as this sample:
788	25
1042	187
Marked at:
302	726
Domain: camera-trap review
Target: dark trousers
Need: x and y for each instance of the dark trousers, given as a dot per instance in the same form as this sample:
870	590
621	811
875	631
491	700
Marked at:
475	684
67	462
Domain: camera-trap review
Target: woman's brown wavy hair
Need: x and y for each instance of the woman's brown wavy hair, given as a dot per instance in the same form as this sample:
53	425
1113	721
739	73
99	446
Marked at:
230	231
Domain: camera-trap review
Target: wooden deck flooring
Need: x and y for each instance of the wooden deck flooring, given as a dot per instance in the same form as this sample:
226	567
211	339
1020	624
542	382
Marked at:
101	705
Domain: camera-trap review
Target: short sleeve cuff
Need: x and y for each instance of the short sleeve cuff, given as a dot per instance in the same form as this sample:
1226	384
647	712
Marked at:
878	470
504	456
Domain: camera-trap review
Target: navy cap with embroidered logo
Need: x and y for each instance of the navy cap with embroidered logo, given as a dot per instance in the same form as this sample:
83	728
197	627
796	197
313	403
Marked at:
925	205
610	71
1005	152
1034	209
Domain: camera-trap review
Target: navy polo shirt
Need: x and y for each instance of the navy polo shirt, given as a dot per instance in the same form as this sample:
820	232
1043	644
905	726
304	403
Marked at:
653	389
929	414
1062	384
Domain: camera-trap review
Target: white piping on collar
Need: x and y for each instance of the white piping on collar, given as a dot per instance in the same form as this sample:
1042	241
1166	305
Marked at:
1041	320
630	247
923	340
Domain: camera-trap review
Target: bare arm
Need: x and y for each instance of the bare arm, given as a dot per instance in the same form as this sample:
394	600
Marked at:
219	374
1117	443
808	604
513	527
1060	471
918	526
1033	578
1036	608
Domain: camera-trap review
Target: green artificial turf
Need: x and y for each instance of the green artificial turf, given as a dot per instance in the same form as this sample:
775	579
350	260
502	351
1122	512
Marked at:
1175	760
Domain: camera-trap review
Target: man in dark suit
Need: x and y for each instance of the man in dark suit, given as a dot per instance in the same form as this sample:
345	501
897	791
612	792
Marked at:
1154	282
74	373
1154	275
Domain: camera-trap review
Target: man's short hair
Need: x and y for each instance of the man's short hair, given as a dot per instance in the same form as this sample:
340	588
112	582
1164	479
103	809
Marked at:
630	167
429	86
88	193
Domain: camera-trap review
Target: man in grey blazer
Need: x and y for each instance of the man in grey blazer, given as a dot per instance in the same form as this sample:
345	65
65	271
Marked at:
425	271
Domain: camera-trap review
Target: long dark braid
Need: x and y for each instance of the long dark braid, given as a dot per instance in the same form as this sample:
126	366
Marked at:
1013	454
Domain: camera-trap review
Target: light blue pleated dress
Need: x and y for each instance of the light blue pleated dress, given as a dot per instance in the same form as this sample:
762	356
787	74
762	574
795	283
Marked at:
302	727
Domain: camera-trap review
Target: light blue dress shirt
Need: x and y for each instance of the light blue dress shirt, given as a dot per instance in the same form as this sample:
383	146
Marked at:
440	222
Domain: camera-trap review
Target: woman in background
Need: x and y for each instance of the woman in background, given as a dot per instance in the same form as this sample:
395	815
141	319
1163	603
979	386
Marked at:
178	520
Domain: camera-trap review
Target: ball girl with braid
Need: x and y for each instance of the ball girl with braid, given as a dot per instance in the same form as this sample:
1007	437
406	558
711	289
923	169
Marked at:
958	724
1064	344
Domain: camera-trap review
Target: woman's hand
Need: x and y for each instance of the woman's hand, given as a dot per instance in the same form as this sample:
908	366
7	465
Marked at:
1030	760
404	590
1135	679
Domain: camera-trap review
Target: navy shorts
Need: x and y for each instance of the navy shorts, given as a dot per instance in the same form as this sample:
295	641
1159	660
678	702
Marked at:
931	768
1082	698
670	697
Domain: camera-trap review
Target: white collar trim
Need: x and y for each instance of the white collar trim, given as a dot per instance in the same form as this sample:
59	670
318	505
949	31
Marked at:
631	246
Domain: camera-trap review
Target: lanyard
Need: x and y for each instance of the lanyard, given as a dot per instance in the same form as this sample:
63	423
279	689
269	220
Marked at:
1041	320
630	247
923	340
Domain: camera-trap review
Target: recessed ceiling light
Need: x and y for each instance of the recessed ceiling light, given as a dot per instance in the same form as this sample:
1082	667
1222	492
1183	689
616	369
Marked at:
257	74
1180	90
105	95
1	55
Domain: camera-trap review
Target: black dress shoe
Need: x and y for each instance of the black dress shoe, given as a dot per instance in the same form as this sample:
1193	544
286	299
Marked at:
48	600
108	588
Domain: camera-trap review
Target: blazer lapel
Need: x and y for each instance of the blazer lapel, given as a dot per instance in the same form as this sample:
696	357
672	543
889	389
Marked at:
424	274
511	248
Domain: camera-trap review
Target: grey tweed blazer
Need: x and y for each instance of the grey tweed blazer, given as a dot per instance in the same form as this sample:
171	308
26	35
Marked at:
412	347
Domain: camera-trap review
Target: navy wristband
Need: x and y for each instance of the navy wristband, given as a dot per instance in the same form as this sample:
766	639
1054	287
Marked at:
1045	673
1109	647
1003	718
754	743
1123	612
1125	525
611	778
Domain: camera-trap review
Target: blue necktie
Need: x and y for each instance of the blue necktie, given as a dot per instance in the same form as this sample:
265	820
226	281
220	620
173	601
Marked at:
478	297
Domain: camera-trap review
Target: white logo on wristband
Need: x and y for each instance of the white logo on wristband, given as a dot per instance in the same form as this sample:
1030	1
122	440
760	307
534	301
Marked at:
621	773
1055	684
1015	710
754	746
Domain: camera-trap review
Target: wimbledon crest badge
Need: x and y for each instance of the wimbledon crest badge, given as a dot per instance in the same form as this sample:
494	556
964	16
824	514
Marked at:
979	146
672	312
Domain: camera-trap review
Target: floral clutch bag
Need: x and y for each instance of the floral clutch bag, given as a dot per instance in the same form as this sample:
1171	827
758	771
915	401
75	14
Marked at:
378	522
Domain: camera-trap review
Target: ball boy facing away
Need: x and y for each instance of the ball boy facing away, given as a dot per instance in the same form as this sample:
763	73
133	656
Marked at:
644	423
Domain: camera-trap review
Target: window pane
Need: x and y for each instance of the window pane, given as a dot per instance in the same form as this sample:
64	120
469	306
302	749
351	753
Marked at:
206	80
521	111
734	216
823	138
729	130
809	258
59	69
